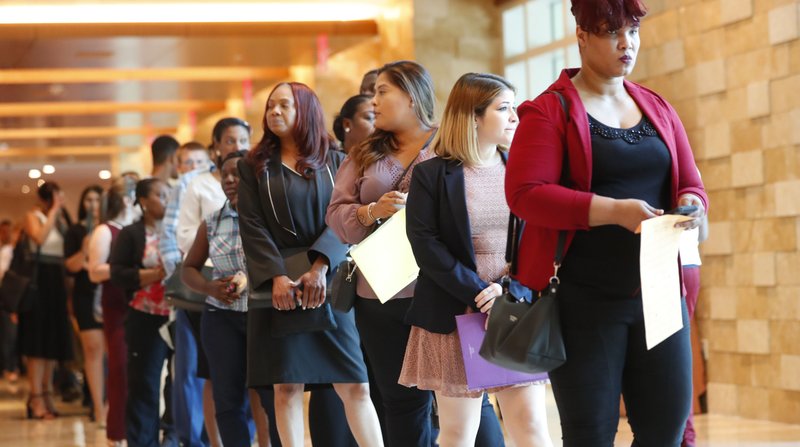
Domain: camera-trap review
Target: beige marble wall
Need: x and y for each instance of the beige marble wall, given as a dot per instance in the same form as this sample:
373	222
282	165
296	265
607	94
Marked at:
453	37
731	68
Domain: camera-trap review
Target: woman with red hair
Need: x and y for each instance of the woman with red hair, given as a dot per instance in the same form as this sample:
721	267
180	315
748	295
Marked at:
613	155
286	184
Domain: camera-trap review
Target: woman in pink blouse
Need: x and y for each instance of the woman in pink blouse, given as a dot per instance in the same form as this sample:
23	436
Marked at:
371	185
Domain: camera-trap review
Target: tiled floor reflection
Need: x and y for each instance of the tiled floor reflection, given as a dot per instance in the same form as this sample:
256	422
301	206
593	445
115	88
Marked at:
74	429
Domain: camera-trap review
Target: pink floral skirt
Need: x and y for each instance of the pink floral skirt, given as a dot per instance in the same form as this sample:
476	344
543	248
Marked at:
434	362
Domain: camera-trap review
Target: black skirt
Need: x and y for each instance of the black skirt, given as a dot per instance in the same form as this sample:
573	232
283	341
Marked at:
83	306
311	358
44	331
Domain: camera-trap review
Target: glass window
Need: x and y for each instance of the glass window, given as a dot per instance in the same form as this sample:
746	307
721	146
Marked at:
571	25
528	28
518	77
573	56
514	31
544	69
544	22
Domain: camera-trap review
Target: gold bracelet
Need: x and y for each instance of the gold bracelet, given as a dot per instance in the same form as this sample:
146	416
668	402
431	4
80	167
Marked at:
363	220
369	212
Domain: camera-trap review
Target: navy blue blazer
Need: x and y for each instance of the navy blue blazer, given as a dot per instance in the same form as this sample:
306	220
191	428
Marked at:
437	225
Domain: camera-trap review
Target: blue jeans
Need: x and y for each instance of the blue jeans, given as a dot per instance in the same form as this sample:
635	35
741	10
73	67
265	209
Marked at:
146	355
224	335
187	388
606	355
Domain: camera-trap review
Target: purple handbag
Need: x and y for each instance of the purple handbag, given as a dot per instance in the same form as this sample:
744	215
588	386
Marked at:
480	373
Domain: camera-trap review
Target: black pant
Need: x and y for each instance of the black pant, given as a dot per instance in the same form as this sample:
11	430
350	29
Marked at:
606	355
384	335
146	355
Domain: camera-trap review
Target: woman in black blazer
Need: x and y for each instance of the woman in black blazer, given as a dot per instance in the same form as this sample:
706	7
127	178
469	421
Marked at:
457	225
136	268
285	186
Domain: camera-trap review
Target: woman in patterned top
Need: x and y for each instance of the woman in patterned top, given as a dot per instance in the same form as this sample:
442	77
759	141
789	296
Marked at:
136	267
457	225
371	186
224	324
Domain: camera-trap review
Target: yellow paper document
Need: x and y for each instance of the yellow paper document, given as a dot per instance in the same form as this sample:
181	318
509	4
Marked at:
661	286
385	258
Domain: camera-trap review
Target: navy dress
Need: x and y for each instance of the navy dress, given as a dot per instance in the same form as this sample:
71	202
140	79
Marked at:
296	221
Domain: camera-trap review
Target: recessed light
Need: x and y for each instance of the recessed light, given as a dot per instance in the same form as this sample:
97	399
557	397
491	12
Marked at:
40	182
34	173
48	169
105	174
26	189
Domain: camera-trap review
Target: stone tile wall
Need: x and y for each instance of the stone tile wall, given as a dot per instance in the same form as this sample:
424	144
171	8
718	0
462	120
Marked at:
731	68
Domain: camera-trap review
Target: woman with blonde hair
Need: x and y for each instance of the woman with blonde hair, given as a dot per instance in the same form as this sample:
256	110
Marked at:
457	225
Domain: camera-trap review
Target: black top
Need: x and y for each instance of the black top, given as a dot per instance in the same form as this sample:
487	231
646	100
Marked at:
282	210
73	242
629	163
126	256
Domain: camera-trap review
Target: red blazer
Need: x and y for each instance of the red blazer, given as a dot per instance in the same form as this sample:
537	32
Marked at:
534	170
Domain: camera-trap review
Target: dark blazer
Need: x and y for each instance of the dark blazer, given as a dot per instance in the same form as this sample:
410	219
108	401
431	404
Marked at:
126	256
268	225
438	229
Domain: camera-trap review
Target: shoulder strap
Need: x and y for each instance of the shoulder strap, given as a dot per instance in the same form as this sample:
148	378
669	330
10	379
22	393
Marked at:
516	225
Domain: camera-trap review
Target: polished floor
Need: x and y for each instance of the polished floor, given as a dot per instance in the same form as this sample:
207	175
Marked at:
74	428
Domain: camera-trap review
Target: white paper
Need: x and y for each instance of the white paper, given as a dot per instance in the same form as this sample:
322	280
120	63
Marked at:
661	286
385	258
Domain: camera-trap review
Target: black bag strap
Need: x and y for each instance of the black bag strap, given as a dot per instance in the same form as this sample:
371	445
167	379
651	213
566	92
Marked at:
516	225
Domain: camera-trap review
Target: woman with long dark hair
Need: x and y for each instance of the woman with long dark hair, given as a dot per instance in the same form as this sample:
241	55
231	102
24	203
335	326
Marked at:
355	122
44	329
286	184
371	186
76	254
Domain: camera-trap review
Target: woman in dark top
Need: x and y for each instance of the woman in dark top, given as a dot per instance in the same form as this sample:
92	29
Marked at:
118	212
457	225
628	160
355	122
76	254
286	184
44	330
136	267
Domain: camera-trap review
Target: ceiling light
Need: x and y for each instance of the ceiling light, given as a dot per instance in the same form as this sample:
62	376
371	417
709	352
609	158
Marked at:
189	12
26	189
48	169
34	173
105	174
40	182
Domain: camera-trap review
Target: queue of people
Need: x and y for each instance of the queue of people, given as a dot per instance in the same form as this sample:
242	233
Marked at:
593	156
